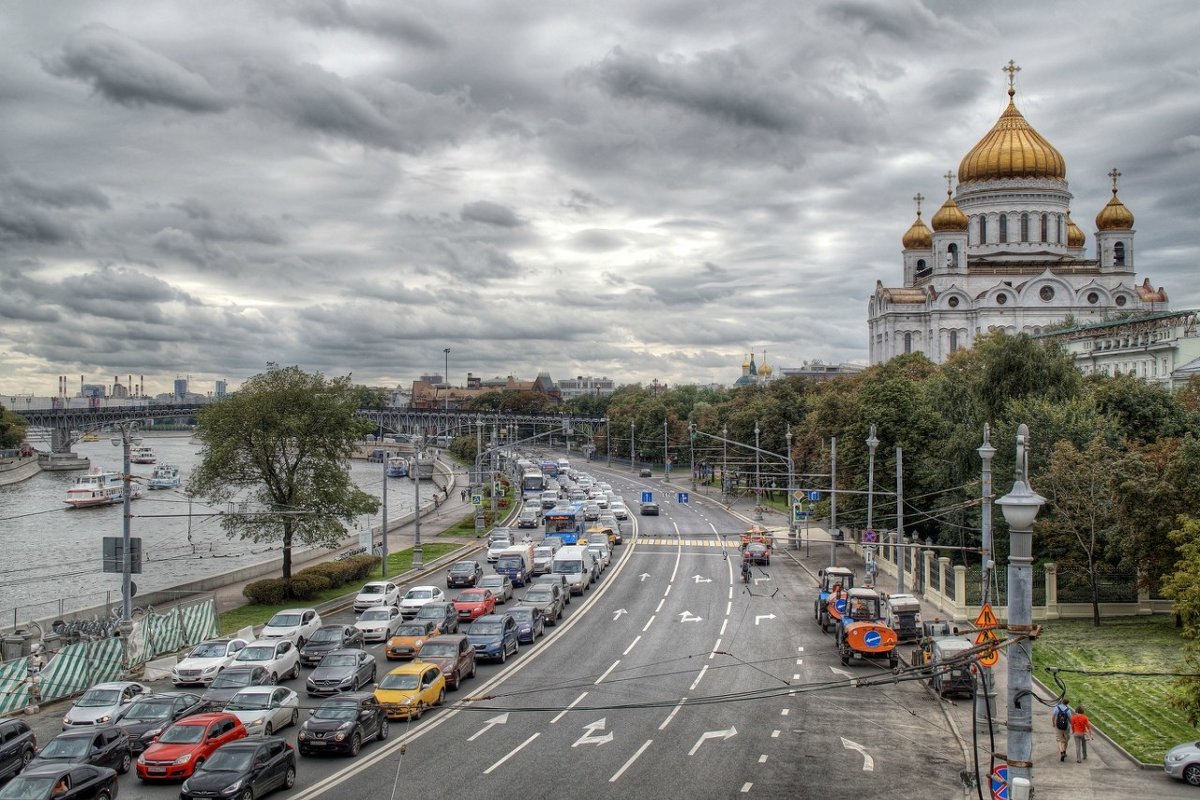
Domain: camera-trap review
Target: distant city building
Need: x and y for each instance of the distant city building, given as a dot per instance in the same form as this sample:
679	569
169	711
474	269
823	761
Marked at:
428	396
181	387
92	390
219	389
1161	348
119	392
436	380
752	373
1004	254
820	371
581	386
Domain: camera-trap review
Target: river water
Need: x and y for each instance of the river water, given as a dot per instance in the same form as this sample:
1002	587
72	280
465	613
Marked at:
51	551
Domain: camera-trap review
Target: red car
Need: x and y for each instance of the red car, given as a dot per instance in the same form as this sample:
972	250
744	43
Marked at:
178	750
474	603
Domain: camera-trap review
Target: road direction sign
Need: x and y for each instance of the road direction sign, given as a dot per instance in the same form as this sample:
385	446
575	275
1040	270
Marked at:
1000	782
681	497
814	496
647	497
798	513
986	618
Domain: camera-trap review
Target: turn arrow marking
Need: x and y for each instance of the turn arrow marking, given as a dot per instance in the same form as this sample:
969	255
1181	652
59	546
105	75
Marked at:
686	616
842	672
644	575
589	735
488	725
698	579
617	614
723	735
759	618
868	762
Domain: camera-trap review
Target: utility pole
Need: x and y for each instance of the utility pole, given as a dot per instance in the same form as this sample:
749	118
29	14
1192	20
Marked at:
416	556
666	453
692	452
632	465
985	690
607	443
872	443
902	559
791	489
128	437
383	508
833	501
492	474
758	511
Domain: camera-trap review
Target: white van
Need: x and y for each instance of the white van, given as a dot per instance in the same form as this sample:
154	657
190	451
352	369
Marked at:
577	565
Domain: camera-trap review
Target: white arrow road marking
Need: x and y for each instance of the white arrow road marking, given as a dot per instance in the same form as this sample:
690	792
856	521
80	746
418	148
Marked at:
868	762
698	579
644	575
760	617
488	725
686	616
842	672
762	580
726	734
617	614
590	737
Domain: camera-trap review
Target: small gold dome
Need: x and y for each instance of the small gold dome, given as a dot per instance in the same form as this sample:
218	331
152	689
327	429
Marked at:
917	237
1011	149
746	363
1075	237
950	217
1114	216
765	369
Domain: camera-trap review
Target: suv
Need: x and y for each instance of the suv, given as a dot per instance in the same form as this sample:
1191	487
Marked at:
17	746
297	625
453	654
529	518
463	573
442	612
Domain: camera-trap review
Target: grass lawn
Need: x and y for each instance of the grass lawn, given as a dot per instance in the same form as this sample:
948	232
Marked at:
253	614
1132	711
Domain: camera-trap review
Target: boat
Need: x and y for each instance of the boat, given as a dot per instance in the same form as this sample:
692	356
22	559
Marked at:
142	454
397	467
100	487
165	476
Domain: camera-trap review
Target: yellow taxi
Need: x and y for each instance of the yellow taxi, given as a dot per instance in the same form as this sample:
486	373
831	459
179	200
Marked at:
408	690
409	637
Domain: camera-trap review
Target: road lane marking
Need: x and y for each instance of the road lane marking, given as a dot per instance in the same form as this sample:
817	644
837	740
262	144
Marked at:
678	554
671	716
696	682
729	608
716	647
799	661
724	622
636	639
731	588
774	734
794	677
651	620
762	759
784	712
488	725
511	753
660	605
563	713
605	675
668	591
629	763
746	787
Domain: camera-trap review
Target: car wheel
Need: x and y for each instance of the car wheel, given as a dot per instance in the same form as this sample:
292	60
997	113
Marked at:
355	744
473	668
103	795
383	729
441	697
274	678
503	654
289	777
295	716
126	760
418	711
26	757
1191	774
268	729
296	670
246	795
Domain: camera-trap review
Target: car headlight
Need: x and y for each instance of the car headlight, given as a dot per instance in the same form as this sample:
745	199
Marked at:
183	759
142	759
418	643
67	719
254	723
234	787
150	734
104	719
347	679
302	735
1175	756
211	669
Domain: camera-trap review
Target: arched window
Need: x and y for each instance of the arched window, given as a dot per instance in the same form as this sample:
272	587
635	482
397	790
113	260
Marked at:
1003	228
1024	227
908	343
982	229
952	256
1119	254
953	341
920	265
1045	227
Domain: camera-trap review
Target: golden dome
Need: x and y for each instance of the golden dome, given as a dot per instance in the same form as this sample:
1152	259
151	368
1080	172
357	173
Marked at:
949	217
1075	237
1011	149
765	369
1114	216
746	363
917	237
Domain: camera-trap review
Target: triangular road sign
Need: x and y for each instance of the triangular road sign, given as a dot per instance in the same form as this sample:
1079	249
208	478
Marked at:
986	618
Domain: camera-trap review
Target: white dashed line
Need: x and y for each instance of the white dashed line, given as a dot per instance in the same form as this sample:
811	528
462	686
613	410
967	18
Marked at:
696	682
636	640
511	753
716	647
724	622
782	713
629	763
648	624
563	713
614	666
667	592
794	677
774	734
729	608
746	787
762	759
660	605
671	716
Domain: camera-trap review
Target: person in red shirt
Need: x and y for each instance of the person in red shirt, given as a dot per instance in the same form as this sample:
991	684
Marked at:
1081	731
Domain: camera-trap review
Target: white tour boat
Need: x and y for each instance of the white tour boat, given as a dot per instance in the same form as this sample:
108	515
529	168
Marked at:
100	487
142	454
165	476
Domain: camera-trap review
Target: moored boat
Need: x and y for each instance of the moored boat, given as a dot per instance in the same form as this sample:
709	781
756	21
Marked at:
165	476
397	467
142	454
99	487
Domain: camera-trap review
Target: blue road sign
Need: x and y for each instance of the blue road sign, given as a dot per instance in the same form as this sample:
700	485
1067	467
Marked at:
681	497
814	496
799	514
476	499
840	604
647	497
1000	782
870	537
872	638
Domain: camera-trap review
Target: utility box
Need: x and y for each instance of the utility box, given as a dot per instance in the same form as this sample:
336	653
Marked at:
17	644
114	554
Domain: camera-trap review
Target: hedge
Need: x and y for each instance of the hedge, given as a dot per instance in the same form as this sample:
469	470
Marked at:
269	592
306	587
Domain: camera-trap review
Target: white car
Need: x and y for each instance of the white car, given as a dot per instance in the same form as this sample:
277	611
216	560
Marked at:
102	703
602	553
265	710
495	546
419	596
379	624
279	657
297	625
619	510
205	661
377	593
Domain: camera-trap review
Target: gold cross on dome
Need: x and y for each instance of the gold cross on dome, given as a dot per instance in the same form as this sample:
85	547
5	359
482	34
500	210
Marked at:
1114	175
918	197
1012	69
949	176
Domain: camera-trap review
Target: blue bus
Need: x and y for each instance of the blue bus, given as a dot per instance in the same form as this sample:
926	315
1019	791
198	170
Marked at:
566	522
550	468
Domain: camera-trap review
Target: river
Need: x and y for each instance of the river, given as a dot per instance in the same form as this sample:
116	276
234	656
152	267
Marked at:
52	551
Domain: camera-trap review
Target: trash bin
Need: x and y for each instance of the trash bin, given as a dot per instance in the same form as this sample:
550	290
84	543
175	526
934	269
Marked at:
17	644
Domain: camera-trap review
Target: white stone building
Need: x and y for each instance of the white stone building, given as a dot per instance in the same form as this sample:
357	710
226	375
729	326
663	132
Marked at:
1161	348
1004	253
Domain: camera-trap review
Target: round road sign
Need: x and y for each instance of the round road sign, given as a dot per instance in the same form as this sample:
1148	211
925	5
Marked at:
872	639
840	604
1000	782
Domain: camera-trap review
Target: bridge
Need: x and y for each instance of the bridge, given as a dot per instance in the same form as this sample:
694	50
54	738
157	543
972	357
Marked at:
68	425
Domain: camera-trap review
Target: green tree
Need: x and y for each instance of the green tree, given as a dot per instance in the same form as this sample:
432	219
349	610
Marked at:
1156	484
12	428
282	444
1141	411
1183	586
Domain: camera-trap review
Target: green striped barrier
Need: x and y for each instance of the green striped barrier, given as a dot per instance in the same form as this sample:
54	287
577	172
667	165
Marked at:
14	686
79	666
199	622
162	634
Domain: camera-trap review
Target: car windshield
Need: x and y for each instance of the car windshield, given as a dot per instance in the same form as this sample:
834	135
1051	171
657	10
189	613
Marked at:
232	679
469	597
147	711
95	698
538	596
484	629
431	612
463	566
492	580
520	614
249	701
336	711
375	615
27	788
182	734
568	567
431	650
228	760
261	653
372	588
403	681
66	747
284	621
339	660
412	630
543	552
208	651
419	594
327	635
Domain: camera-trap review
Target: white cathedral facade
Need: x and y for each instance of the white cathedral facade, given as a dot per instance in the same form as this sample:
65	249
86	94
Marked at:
1004	254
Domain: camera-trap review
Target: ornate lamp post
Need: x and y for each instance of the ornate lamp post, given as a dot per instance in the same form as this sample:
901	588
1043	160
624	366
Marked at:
872	443
128	429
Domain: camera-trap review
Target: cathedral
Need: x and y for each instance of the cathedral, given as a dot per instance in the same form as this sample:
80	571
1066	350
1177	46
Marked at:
754	374
1003	253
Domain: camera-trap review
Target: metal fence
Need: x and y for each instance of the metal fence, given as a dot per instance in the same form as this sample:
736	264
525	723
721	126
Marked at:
1112	586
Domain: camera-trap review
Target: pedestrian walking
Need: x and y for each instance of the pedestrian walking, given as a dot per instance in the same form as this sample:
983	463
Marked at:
1081	730
1061	717
463	495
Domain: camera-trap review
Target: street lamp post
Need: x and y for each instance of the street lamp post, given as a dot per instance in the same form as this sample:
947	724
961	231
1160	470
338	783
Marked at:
758	512
791	489
128	437
725	463
383	507
833	501
416	554
1020	507
902	551
985	691
632	439
666	453
607	443
872	443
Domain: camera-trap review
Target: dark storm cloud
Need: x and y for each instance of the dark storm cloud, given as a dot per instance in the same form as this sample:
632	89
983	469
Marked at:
72	194
130	73
230	227
490	214
901	20
380	19
36	226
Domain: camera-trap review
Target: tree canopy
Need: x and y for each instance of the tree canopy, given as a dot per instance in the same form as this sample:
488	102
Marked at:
12	428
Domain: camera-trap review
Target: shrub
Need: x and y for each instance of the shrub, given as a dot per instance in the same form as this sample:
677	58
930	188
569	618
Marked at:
306	587
269	592
332	571
360	567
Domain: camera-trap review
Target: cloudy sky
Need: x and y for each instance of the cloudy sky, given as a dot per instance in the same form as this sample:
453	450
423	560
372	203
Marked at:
632	188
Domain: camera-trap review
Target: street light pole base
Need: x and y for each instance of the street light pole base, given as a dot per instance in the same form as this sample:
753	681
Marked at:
416	557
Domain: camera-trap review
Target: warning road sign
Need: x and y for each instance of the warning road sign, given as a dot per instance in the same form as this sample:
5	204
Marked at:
989	658
986	618
985	636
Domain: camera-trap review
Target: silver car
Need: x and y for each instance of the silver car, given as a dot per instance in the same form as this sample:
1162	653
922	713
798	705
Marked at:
101	704
1183	762
265	709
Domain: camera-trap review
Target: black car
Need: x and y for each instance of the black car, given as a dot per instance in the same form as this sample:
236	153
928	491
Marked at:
530	623
17	746
341	671
758	554
328	638
643	473
555	579
463	573
649	509
149	715
342	724
547	598
245	768
443	613
62	782
104	746
231	681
